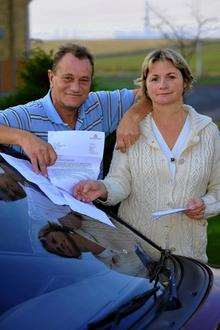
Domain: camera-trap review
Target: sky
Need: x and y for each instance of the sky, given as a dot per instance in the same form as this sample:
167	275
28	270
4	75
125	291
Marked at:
96	19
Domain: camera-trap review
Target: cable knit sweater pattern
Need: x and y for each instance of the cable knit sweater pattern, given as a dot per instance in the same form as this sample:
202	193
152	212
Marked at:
141	181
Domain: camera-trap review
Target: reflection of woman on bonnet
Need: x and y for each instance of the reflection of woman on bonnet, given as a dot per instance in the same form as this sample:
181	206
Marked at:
175	163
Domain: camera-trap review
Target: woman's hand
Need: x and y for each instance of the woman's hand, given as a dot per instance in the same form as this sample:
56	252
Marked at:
88	190
195	209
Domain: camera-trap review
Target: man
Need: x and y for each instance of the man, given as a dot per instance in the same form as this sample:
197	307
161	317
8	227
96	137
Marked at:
69	105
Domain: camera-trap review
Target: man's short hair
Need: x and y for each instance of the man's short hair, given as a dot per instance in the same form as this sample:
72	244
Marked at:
78	51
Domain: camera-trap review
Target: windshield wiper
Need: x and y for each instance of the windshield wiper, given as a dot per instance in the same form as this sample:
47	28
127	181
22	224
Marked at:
130	307
135	303
160	272
165	274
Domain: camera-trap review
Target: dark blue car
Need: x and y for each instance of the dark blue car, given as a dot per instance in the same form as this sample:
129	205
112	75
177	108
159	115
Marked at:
61	270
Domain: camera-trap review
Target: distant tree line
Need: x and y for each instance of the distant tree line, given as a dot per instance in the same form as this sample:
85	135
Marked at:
34	80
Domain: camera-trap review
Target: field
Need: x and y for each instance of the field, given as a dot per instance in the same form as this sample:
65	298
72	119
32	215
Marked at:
214	241
118	62
103	46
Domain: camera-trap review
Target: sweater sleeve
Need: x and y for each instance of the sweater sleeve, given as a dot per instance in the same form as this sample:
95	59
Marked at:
212	197
118	180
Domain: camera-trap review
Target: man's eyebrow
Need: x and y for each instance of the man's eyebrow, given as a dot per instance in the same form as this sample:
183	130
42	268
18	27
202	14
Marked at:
67	74
72	75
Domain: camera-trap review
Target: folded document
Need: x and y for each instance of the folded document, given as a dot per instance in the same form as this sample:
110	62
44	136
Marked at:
55	194
159	214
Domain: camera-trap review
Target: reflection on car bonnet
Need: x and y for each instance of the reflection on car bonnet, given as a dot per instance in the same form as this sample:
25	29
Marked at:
61	240
10	187
57	239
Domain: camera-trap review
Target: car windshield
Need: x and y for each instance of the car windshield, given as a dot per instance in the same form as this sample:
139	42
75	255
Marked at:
50	247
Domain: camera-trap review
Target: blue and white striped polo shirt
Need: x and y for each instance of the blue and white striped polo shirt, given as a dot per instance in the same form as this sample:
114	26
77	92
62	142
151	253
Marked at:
101	111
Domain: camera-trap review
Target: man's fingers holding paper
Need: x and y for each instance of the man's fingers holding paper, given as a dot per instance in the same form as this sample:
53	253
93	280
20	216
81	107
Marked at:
40	153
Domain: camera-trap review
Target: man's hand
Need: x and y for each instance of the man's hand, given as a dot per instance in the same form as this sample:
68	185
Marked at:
128	132
128	129
40	153
88	190
195	209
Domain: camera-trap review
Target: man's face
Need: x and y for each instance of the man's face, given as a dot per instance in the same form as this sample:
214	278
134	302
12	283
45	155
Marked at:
70	83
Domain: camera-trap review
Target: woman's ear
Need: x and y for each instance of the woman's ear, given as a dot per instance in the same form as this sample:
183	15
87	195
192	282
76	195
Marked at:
185	88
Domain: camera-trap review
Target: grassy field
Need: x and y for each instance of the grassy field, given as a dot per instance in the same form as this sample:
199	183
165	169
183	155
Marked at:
103	46
118	62
214	241
210	55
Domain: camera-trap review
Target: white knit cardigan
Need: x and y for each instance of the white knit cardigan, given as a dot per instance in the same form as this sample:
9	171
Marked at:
140	179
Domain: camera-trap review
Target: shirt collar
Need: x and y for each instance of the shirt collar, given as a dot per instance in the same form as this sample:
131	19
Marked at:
51	112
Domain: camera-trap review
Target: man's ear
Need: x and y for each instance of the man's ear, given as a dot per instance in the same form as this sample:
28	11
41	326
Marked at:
92	85
50	77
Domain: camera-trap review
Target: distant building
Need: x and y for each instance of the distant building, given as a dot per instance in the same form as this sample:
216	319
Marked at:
14	41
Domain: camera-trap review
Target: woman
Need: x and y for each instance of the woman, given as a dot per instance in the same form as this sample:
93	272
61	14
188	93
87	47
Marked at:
175	163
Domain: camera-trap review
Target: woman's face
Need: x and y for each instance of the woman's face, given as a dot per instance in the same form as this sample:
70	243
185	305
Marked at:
164	83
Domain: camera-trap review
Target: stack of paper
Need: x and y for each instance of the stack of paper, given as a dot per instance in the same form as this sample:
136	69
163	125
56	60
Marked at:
159	214
79	157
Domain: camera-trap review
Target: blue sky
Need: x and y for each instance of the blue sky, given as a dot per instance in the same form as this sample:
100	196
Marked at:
52	19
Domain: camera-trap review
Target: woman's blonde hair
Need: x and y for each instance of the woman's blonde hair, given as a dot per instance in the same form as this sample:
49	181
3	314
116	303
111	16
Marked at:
161	55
